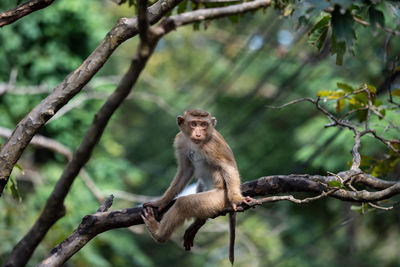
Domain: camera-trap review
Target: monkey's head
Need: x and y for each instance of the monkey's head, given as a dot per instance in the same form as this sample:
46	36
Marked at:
196	124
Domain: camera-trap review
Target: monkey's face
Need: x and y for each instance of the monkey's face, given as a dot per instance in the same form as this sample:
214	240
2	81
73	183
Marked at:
198	129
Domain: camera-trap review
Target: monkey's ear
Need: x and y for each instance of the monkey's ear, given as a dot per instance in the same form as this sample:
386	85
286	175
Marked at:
214	121
180	120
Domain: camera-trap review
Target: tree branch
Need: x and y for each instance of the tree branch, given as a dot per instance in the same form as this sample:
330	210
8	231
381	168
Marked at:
213	13
43	142
365	23
54	208
54	146
14	14
126	28
342	122
97	223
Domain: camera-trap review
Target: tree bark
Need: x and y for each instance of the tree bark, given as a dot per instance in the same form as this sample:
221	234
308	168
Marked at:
99	222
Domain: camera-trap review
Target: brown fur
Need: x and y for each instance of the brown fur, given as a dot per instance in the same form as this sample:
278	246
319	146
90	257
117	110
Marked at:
212	160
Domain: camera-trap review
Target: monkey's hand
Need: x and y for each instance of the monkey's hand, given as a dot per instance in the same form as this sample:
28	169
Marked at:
246	200
154	204
235	200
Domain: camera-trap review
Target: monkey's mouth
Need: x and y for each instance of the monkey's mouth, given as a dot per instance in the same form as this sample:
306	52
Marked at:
196	141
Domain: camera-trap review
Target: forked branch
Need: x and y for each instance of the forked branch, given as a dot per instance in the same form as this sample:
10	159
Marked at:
14	14
99	222
54	208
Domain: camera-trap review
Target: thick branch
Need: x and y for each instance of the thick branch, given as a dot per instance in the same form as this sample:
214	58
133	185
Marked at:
8	17
56	147
54	208
97	223
72	84
43	142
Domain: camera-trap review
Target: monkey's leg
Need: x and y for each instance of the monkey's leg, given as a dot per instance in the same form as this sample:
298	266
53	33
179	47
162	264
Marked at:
150	221
202	205
158	231
191	232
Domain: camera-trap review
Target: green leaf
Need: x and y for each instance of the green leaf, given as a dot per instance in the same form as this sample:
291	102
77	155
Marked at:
288	10
324	93
330	94
376	16
345	87
318	37
354	7
371	88
378	103
366	161
396	92
319	32
361	115
234	19
342	27
383	112
356	208
340	104
19	168
363	208
196	26
353	102
362	98
322	23
13	188
343	34
322	38
338	48
336	184
183	6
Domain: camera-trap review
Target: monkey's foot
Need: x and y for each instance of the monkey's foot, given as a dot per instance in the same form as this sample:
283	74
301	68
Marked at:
150	220
249	201
190	233
188	239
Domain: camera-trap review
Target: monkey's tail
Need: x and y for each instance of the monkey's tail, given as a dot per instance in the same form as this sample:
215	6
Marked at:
232	227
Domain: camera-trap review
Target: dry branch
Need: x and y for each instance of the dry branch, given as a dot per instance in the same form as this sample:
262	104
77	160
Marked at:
97	223
126	28
54	208
342	122
56	147
14	14
43	142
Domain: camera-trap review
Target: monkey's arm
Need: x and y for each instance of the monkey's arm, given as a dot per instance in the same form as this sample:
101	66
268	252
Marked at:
231	179
182	178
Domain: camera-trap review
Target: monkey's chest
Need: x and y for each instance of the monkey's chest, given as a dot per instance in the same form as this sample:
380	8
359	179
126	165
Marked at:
202	170
195	157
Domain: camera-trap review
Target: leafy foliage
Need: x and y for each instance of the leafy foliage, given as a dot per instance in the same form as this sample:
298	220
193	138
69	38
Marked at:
220	70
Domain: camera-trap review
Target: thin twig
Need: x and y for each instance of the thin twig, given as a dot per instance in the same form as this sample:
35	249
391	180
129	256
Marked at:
379	207
365	23
106	205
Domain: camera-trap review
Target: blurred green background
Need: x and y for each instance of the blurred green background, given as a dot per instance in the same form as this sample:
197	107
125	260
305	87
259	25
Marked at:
232	69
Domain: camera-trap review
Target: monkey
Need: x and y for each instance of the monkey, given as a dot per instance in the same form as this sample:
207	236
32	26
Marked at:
201	152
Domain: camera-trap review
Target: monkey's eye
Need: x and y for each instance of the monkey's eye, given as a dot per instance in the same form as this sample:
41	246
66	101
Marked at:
193	124
203	124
